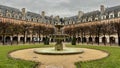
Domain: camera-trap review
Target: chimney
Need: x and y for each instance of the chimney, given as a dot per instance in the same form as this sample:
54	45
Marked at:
23	10
43	13
51	16
58	17
23	13
102	8
80	14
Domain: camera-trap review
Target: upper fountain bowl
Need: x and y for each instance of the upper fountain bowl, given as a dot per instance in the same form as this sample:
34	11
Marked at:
59	26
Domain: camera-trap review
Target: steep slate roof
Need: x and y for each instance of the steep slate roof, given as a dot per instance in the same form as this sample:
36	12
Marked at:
97	13
9	8
85	15
73	18
29	14
33	15
89	14
115	8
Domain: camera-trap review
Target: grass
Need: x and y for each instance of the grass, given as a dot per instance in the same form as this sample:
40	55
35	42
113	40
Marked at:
113	61
6	62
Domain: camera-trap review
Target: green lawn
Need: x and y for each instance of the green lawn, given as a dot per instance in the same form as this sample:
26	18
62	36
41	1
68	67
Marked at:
6	62
113	61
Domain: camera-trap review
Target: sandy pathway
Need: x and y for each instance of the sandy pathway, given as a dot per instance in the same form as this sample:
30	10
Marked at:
58	61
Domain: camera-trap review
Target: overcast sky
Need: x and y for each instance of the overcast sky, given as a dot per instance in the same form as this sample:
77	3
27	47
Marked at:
63	8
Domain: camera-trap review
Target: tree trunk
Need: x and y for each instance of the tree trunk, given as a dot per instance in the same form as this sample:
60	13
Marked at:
82	38
98	36
104	40
118	39
24	41
17	40
3	39
39	36
109	40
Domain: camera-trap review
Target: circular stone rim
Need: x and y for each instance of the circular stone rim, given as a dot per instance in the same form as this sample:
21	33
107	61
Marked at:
67	52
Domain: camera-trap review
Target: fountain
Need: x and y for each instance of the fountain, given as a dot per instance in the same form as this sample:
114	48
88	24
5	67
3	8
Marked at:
59	48
59	37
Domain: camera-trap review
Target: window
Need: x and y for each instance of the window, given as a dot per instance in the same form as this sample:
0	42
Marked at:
8	15
39	20
1	14
118	14
103	17
111	15
84	20
96	18
90	19
16	16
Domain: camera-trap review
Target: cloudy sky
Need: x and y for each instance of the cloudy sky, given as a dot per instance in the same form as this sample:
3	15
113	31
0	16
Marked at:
63	8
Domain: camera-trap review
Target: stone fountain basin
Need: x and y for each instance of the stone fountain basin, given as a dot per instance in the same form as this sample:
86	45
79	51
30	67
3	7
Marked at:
52	51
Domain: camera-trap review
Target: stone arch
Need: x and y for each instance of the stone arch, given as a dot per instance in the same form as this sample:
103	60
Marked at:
15	38
28	39
104	39
40	39
84	39
8	14
52	40
1	38
8	39
96	39
43	39
21	39
112	39
90	39
79	39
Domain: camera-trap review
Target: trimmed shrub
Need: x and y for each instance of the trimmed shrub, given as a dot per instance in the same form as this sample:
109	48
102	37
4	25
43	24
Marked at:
74	40
46	41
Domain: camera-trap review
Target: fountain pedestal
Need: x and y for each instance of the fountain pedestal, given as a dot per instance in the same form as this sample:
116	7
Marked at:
59	37
58	49
59	45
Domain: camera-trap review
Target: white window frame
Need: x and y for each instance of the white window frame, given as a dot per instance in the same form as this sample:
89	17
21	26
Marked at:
119	14
111	15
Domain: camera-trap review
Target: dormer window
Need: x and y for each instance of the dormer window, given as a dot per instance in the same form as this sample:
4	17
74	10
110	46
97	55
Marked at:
73	22
103	17
1	14
7	11
16	16
96	18
8	15
111	15
119	14
0	10
32	19
90	19
84	20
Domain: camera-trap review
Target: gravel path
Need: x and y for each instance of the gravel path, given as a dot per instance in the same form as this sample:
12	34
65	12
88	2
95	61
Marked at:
58	61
